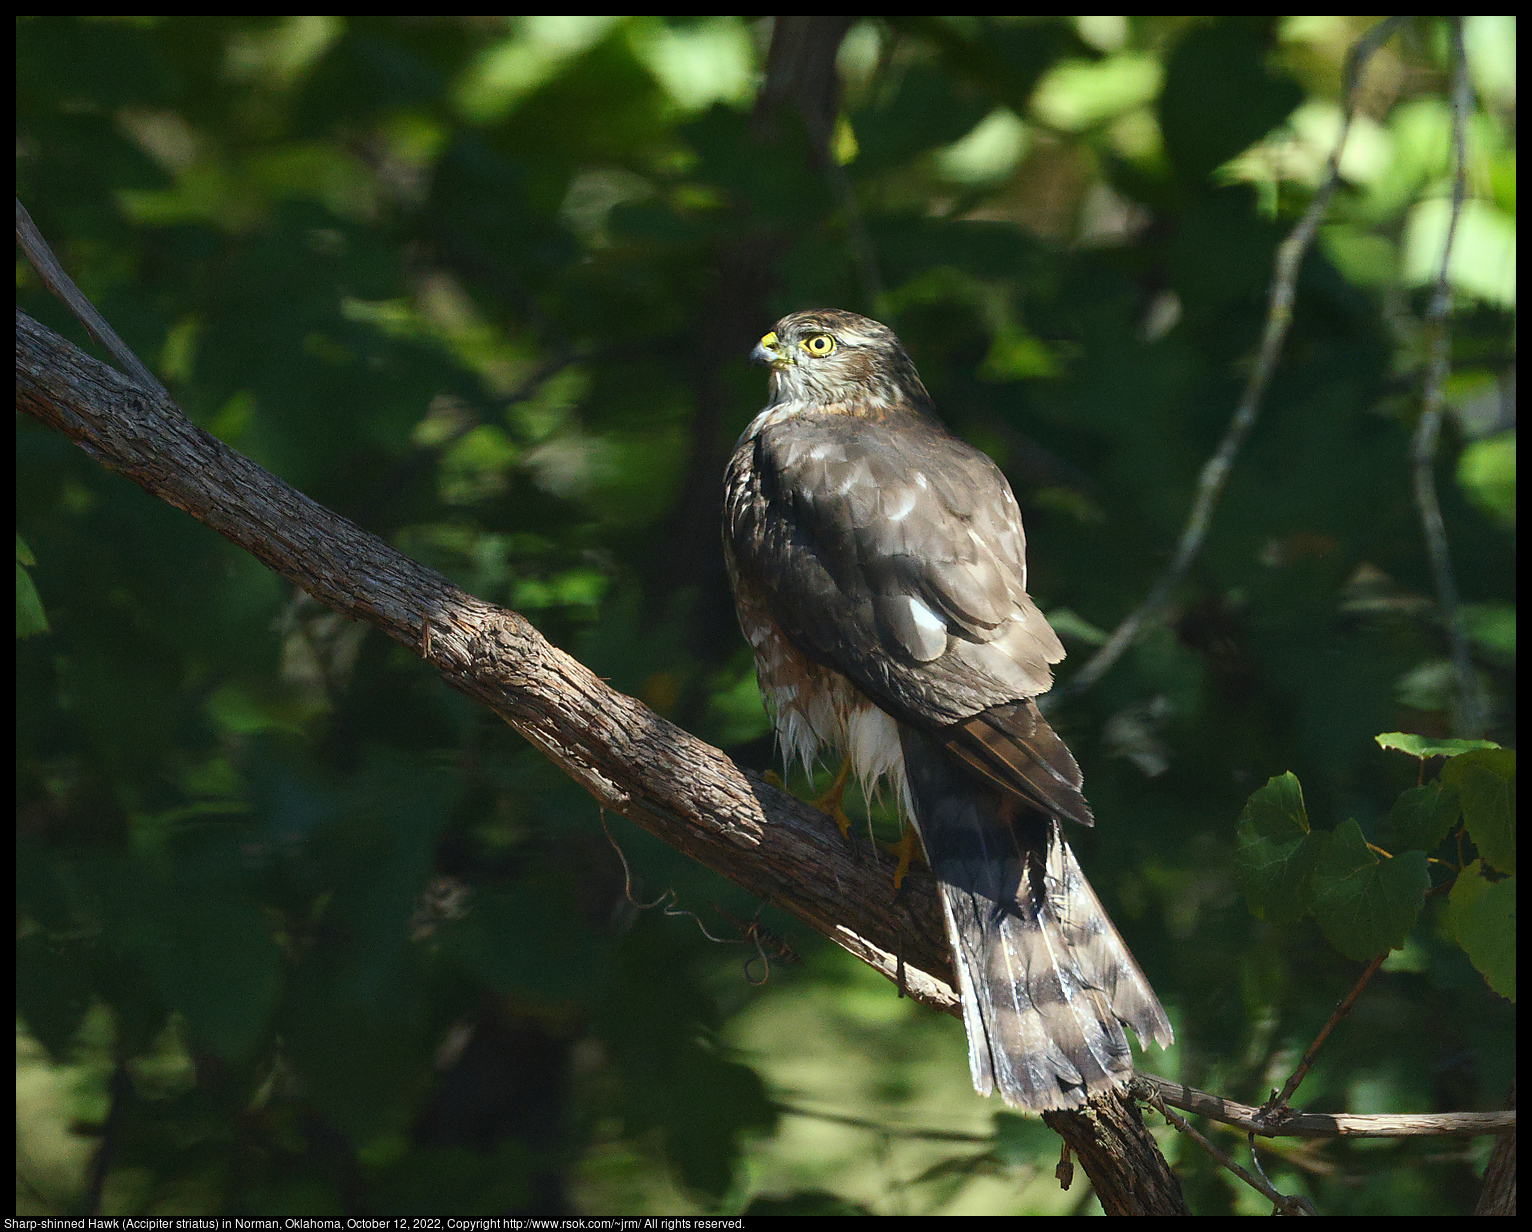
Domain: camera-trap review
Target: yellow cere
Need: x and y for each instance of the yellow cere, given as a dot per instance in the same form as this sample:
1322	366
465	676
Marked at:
770	340
819	345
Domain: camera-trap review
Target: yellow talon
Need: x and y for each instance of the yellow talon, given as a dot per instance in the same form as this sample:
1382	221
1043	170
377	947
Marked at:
829	800
905	849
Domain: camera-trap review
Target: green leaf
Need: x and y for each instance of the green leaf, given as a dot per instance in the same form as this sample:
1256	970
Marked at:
1483	918
1487	474
52	991
30	616
1015	354
1424	746
1482	261
1423	816
1366	905
928	110
531	943
213	958
1492	629
1485	781
1275	851
246	708
1220	97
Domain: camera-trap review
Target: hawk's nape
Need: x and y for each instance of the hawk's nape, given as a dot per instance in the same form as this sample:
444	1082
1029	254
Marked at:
879	570
1047	984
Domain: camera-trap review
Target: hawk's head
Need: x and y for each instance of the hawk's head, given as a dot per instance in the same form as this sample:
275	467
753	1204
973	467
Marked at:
840	361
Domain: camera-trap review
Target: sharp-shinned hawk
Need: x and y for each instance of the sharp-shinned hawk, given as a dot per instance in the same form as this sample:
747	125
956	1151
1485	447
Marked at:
879	568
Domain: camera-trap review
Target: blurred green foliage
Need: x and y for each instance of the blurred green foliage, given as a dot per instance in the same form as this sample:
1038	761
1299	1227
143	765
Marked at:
303	932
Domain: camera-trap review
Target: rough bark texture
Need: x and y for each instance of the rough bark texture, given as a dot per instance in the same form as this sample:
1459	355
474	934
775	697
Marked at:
1124	1164
630	759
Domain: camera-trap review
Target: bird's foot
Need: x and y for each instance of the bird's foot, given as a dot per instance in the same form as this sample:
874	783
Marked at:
829	801
906	848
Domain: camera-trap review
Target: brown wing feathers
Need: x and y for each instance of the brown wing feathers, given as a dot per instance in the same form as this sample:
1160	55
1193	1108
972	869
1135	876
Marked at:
1013	748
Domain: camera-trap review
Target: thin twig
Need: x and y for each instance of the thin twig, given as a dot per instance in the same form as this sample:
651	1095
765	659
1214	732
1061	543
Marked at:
913	1133
1287	1205
121	1089
1275	1107
1297	1124
751	932
1470	718
1215	471
62	285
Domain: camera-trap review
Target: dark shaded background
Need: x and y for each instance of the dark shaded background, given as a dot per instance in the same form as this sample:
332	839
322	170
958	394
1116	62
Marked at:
303	932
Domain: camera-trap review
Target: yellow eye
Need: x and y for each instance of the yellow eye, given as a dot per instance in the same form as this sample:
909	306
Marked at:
819	345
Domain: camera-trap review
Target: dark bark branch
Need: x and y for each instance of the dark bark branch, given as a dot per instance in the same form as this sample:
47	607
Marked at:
800	73
632	761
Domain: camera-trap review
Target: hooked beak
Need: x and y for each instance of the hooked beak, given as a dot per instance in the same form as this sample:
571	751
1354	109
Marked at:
769	351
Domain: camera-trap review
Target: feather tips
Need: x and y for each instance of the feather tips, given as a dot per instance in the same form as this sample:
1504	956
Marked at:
1013	748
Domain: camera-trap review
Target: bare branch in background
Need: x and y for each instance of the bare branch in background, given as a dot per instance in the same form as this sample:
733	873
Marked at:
1279	316
800	74
1282	1202
1471	715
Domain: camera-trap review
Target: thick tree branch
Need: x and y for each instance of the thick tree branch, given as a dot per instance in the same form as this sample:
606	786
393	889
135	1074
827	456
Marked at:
1123	1161
629	758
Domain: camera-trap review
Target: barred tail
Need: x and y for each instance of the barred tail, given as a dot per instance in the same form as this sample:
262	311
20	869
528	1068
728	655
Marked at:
1047	984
